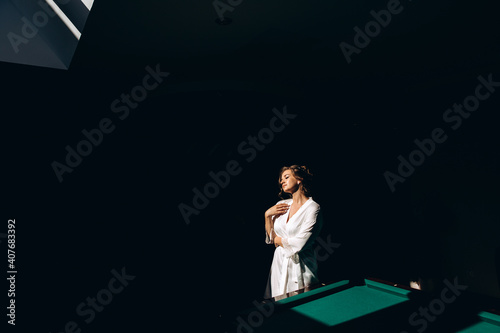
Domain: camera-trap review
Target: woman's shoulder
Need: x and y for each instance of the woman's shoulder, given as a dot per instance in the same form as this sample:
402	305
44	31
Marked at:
314	204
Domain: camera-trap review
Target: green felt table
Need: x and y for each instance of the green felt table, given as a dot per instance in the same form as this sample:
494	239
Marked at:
488	323
374	306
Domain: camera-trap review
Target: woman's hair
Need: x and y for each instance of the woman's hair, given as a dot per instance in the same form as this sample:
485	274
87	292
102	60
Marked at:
300	172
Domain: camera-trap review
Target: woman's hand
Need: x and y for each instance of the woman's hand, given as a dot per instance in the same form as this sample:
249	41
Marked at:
277	210
277	241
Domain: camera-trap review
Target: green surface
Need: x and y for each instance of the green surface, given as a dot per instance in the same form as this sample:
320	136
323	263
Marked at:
349	304
387	288
333	305
490	324
314	292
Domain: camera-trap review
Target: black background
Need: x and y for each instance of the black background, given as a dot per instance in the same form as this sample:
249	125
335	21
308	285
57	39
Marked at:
119	208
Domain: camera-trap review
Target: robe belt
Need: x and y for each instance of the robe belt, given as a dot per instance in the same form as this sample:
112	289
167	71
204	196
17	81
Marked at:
285	272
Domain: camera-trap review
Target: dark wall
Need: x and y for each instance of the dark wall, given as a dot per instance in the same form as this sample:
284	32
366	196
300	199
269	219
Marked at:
120	206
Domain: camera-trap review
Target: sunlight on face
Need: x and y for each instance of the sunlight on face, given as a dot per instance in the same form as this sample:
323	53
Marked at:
288	181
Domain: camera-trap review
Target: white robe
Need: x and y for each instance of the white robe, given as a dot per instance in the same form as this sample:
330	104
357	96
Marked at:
294	264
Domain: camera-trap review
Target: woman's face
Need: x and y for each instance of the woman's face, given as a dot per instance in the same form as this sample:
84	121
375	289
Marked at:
289	183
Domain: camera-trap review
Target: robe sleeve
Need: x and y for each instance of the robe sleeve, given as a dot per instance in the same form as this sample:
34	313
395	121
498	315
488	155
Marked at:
270	237
308	227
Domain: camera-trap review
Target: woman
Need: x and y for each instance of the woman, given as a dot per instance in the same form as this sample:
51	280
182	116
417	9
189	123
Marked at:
292	225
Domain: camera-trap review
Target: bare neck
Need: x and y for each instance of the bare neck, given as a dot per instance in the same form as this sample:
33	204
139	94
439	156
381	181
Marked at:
299	198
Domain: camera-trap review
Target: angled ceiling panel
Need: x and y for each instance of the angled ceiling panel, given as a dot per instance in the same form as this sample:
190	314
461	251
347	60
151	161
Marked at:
41	33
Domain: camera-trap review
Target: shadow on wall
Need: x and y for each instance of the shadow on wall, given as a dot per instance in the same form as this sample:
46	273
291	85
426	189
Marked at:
434	222
456	228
